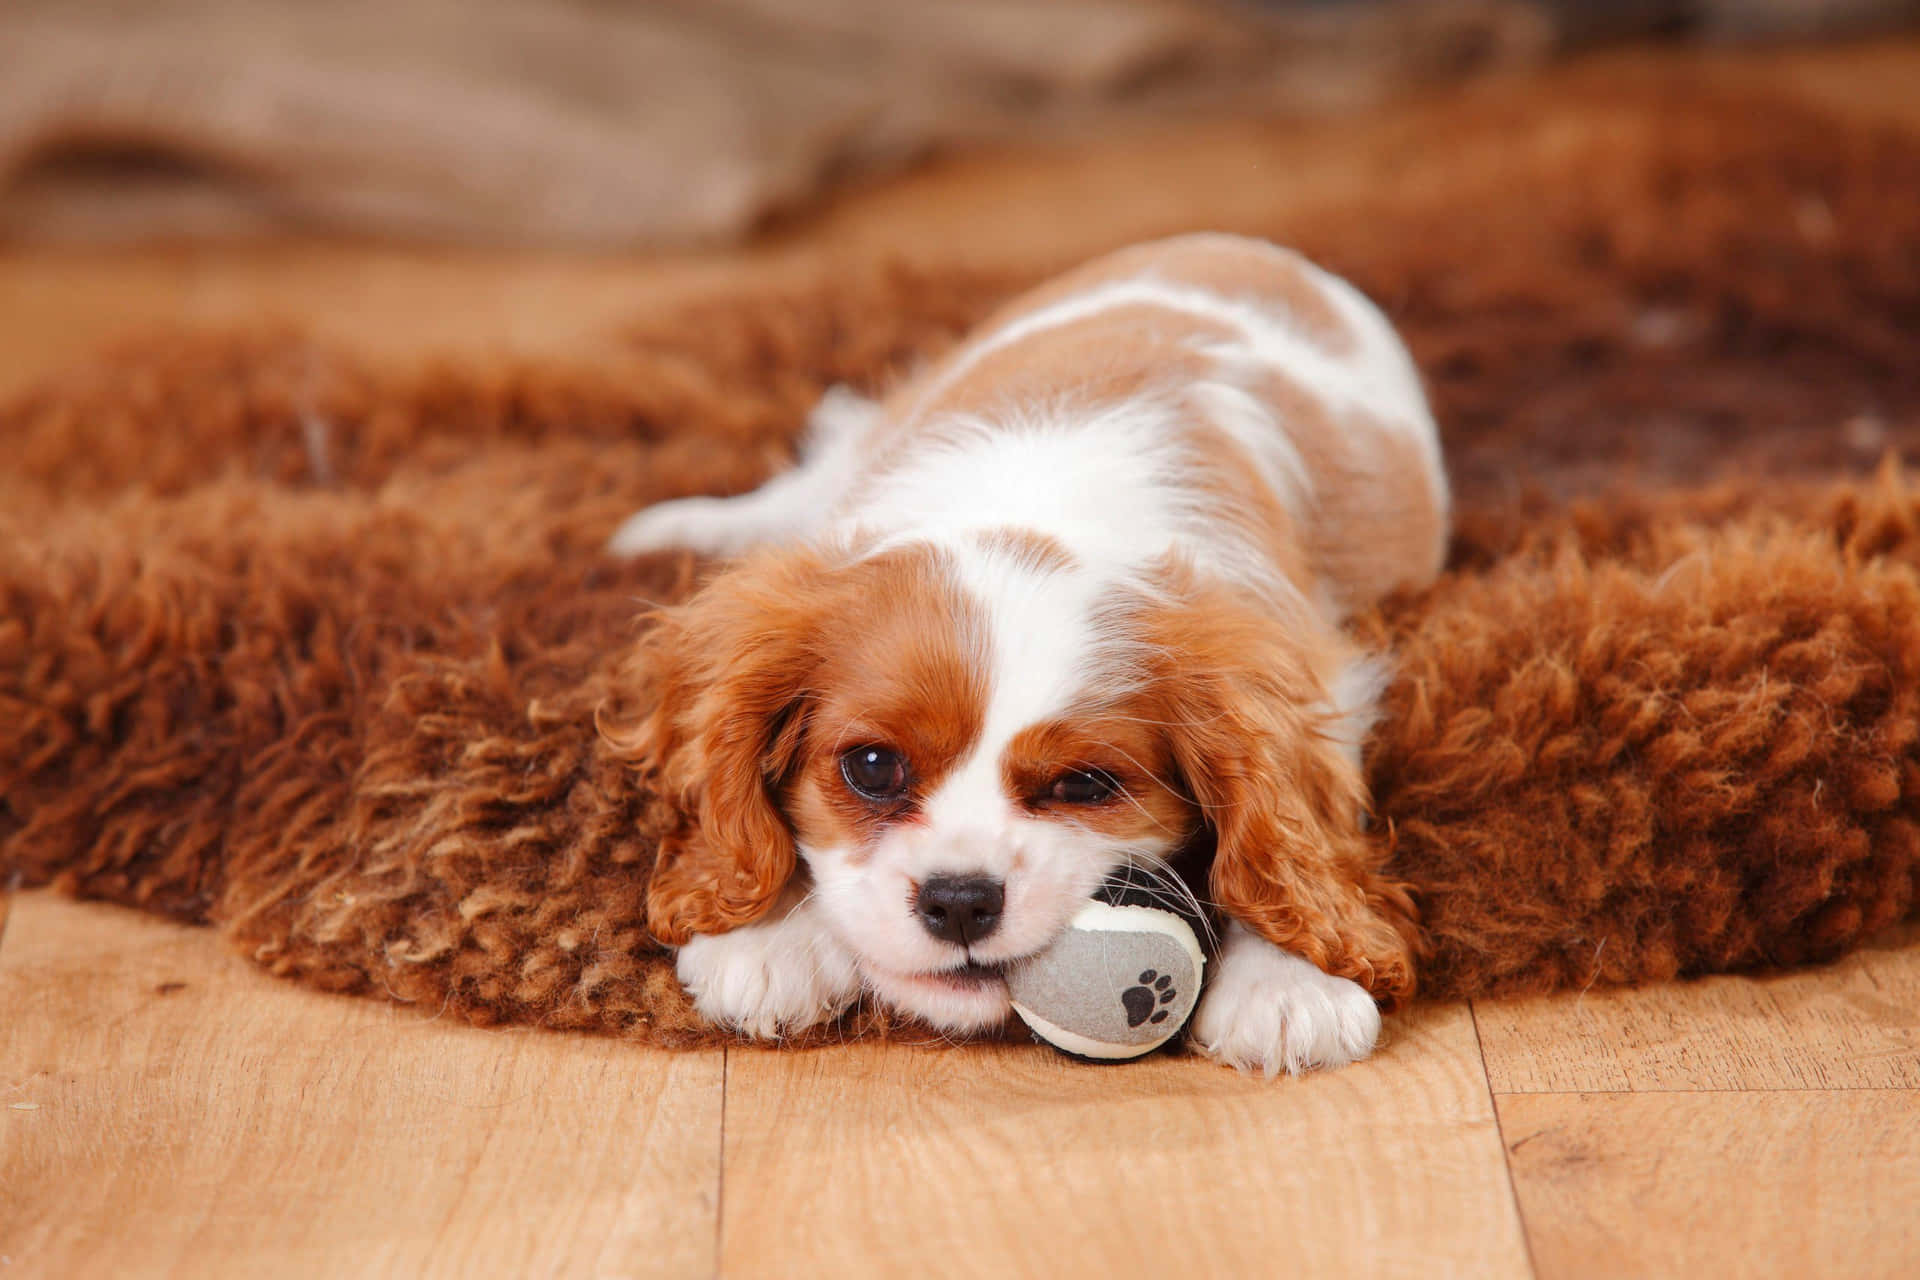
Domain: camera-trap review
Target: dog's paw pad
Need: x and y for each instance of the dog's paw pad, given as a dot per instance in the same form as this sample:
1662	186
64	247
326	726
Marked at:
1139	1001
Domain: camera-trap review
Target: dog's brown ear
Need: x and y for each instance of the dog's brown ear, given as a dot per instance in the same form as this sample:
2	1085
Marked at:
1257	738
726	674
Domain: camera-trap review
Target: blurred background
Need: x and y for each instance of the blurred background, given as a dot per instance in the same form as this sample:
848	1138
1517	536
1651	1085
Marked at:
660	123
414	180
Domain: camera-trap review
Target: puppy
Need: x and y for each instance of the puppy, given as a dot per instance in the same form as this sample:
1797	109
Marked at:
1070	598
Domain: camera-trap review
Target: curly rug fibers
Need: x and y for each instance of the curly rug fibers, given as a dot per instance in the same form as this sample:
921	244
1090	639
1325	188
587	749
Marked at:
311	654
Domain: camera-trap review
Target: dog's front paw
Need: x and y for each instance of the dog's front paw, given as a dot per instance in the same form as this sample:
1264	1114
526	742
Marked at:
768	980
1268	1011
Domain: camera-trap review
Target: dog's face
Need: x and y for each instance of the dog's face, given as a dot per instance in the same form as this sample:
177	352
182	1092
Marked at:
959	745
948	828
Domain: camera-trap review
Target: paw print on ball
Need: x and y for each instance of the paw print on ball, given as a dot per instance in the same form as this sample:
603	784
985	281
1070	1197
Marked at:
1142	1002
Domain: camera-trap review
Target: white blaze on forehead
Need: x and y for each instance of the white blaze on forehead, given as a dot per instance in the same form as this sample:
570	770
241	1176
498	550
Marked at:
1040	637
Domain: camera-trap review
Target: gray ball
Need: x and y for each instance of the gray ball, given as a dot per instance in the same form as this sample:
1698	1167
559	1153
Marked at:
1120	982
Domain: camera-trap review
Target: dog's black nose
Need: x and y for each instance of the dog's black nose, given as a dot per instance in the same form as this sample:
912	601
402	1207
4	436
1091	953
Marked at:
961	909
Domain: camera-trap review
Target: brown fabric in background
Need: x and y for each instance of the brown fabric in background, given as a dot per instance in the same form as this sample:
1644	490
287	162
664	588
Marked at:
622	122
312	654
631	122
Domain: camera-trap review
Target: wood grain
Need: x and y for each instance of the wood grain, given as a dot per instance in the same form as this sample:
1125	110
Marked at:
894	1160
165	1110
1718	1184
1851	1025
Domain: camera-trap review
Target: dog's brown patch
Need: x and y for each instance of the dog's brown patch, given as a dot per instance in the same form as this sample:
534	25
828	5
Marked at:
1121	739
1364	539
904	666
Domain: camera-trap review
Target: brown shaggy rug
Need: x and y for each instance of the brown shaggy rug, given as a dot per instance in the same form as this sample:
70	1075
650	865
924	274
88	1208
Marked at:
312	654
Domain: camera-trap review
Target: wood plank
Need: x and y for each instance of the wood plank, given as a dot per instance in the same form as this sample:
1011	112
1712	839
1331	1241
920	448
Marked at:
1854	1024
1718	1184
166	1110
891	1160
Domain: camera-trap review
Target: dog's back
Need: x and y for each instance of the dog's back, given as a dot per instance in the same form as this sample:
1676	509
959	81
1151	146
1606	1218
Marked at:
1291	399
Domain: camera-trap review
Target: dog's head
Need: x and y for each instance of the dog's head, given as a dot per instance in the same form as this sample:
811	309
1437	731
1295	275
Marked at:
957	744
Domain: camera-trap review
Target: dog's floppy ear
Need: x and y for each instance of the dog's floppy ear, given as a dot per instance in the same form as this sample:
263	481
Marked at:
726	674
1263	748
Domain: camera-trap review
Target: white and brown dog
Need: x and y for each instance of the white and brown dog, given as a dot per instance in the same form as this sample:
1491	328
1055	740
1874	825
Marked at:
1069	599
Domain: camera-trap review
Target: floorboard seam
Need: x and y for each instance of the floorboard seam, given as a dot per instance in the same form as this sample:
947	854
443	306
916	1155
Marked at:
720	1182
1500	1129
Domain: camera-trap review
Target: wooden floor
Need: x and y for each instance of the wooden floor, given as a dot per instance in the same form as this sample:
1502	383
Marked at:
166	1110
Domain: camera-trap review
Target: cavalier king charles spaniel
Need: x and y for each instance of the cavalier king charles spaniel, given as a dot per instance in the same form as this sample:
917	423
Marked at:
1069	599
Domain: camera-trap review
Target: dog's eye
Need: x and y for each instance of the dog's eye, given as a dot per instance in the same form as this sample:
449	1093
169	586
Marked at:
875	773
1083	786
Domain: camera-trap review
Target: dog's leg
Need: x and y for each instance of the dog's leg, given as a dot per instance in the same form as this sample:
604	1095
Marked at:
1269	1011
773	977
787	506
